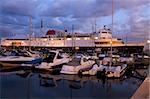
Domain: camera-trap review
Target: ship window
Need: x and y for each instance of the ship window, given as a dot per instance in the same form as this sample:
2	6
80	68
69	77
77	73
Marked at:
118	39
102	37
104	32
68	36
101	42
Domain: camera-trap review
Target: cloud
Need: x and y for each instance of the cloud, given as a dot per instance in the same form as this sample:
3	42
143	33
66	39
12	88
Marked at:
130	16
77	8
19	7
139	23
5	33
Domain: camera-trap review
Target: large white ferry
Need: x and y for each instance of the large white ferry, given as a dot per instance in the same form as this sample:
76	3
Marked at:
55	38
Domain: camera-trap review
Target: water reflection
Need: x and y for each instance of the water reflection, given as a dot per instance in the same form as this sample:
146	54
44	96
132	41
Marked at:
24	74
47	80
40	85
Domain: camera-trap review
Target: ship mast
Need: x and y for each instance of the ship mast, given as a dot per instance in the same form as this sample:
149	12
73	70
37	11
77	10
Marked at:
41	27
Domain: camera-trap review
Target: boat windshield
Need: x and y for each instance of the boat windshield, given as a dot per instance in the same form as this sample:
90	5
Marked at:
24	53
74	62
50	58
19	53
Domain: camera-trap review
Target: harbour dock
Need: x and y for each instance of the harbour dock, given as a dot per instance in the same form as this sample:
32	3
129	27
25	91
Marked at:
143	92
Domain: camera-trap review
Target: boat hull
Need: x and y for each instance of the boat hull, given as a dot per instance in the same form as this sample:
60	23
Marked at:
10	64
112	72
21	63
72	70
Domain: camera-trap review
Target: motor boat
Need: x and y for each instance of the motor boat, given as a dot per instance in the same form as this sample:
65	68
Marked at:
19	58
127	59
140	59
54	60
115	71
90	56
92	71
112	70
76	65
115	59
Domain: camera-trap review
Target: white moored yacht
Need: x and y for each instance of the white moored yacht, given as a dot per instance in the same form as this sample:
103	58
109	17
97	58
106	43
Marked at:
76	65
54	59
19	58
113	70
104	69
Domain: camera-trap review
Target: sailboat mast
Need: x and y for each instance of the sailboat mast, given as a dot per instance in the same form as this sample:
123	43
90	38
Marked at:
112	31
95	25
0	42
30	32
72	28
112	15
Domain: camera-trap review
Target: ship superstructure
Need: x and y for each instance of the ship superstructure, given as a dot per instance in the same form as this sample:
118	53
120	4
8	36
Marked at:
55	38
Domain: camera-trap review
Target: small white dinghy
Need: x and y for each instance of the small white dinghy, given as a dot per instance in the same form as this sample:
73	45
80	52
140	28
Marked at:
73	67
54	60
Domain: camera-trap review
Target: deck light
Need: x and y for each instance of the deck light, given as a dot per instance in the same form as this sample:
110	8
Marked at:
96	38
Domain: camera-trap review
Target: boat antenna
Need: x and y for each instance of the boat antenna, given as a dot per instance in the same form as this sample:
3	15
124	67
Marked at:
41	28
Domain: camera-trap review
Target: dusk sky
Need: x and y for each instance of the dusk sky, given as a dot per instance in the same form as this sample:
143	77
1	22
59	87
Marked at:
131	17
